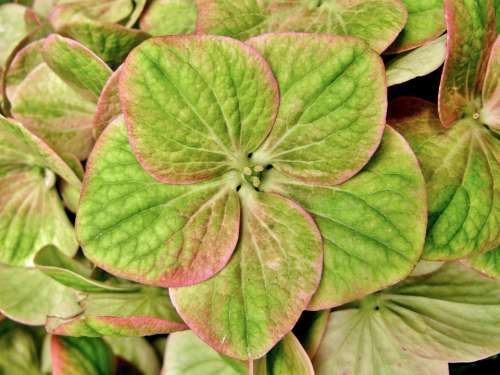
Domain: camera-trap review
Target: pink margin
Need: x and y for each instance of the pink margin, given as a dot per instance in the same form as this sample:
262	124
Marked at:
56	356
102	116
143	325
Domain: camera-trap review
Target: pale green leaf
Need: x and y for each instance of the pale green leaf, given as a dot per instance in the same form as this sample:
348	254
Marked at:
63	12
12	29
31	213
110	11
31	216
416	63
19	353
70	193
20	147
46	297
288	357
186	354
46	358
310	330
451	315
43	7
139	8
71	273
358	341
425	267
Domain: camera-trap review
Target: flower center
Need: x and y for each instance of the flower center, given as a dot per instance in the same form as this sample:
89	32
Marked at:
253	175
249	172
49	178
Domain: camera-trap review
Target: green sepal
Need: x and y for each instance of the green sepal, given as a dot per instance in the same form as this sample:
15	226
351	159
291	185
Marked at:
416	63
72	274
144	312
373	225
462	173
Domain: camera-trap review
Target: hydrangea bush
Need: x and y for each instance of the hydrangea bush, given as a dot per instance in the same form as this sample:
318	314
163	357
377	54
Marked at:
236	187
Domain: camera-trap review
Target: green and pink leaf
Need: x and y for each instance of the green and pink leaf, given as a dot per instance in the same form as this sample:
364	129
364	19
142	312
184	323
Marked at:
135	227
111	42
245	309
471	32
145	312
462	174
490	112
108	11
76	65
108	105
32	214
378	22
81	356
169	17
332	109
373	225
196	106
27	59
425	23
55	112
